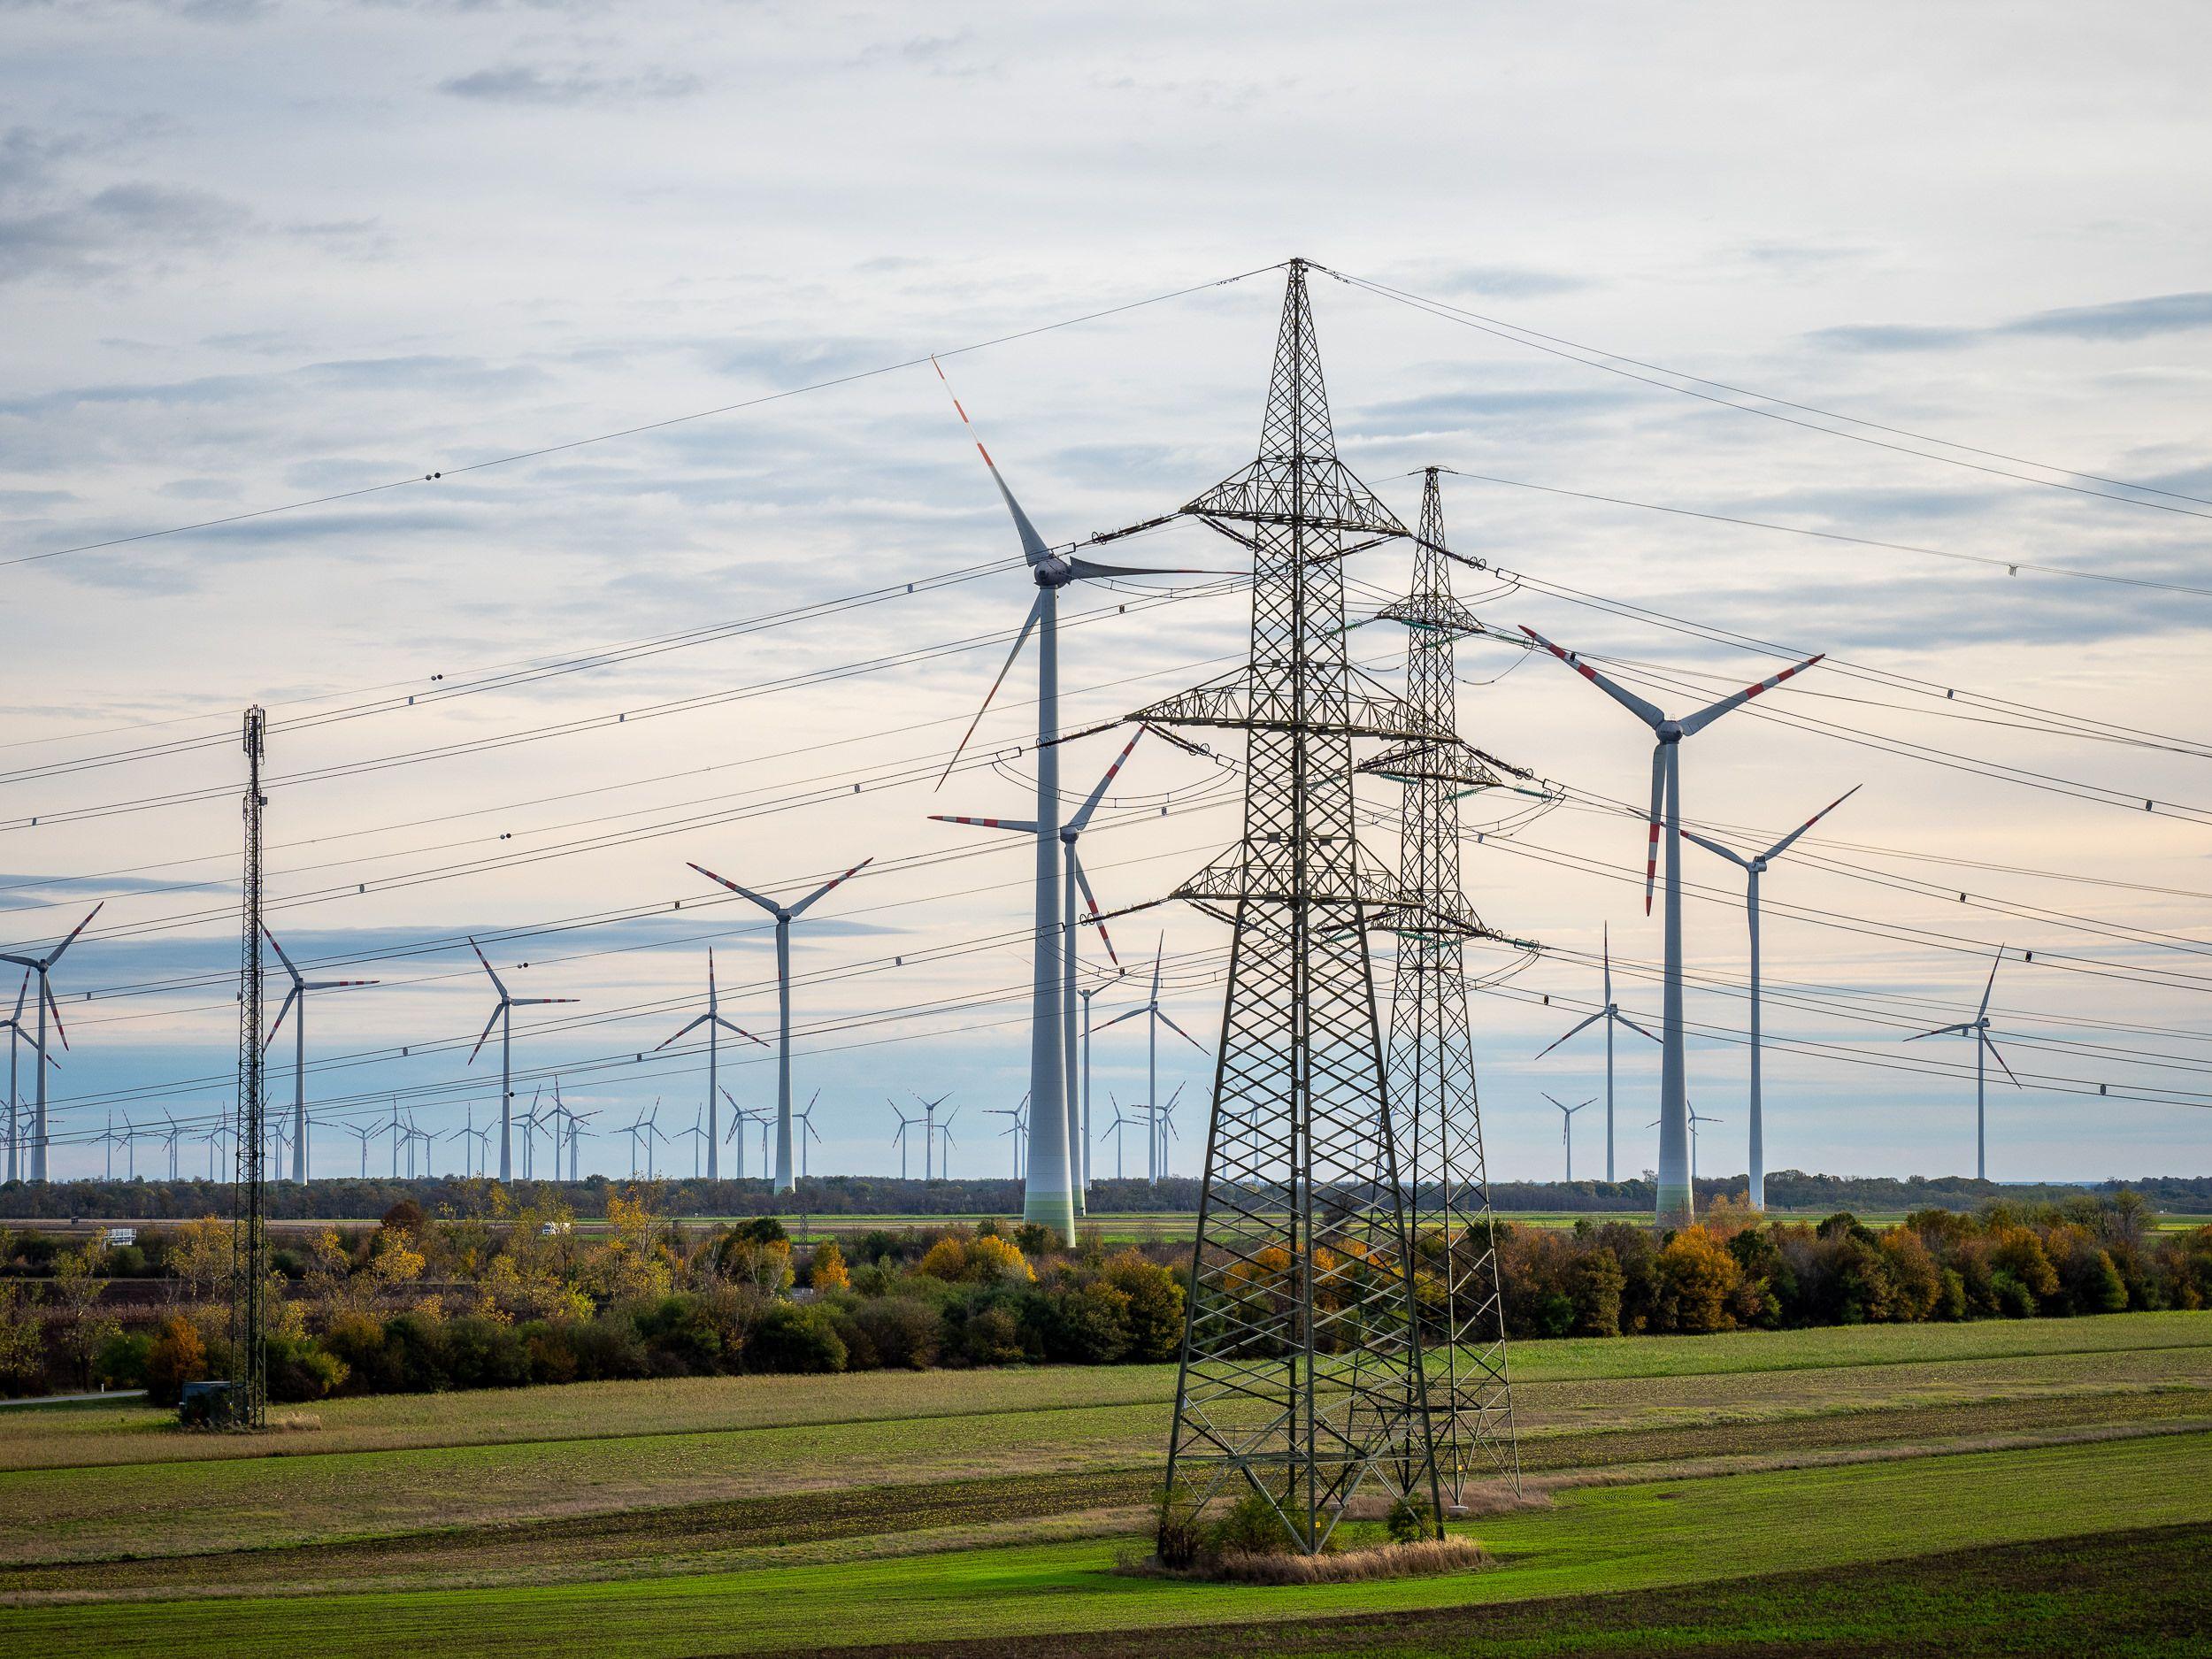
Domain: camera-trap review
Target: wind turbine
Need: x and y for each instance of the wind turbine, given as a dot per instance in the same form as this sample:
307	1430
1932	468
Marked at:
171	1139
1049	1196
785	915
1078	1130
1676	1203
17	1035
215	1136
1153	1016
43	966
298	994
1164	1116
931	1128
1978	1028
1753	869
1566	1130
1612	1015
503	1017
805	1120
699	1134
898	1136
1018	1129
716	1025
1115	1128
466	1134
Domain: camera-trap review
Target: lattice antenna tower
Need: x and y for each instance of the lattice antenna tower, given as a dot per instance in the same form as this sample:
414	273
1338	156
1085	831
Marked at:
1301	1376
1433	1085
249	1401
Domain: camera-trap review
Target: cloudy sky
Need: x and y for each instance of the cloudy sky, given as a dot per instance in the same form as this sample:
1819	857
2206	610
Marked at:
254	255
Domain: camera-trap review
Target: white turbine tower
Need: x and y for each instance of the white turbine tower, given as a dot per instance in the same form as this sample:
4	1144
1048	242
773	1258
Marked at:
1753	869
1154	1017
898	1136
503	1017
1610	1013
1978	1028
785	915
17	1036
1676	1205
1048	1191
1566	1130
716	1025
1079	1128
298	994
43	966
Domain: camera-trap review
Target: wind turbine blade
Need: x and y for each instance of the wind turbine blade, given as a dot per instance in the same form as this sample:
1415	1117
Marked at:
1083	813
1627	699
290	997
800	908
21	991
1033	547
1159	951
744	892
1573	1031
1022	826
1999	1058
482	958
54	956
488	1024
1118	1019
1940	1031
1982	1011
281	957
1632	1024
1029	624
538	1002
686	1032
1180	1032
1783	845
53	1007
1715	846
1083	880
1658	807
739	1030
1090	570
1705	717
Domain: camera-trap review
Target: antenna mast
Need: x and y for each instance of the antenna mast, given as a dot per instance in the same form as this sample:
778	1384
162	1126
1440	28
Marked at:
249	1275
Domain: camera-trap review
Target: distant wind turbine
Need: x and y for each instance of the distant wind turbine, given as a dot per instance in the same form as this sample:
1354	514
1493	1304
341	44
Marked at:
785	915
716	1025
1676	1203
43	966
1612	1015
17	1035
1566	1130
503	1017
1978	1028
1753	869
1154	1017
298	994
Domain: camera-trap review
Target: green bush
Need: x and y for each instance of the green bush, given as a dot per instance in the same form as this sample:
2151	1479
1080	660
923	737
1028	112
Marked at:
2015	1300
795	1337
1251	1526
1410	1521
902	1332
300	1369
121	1361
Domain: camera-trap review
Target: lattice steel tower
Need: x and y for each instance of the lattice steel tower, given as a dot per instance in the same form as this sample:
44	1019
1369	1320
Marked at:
1431	1056
247	1407
1301	1373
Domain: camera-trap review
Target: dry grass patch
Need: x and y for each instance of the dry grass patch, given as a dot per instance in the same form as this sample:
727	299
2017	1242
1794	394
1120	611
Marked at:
1424	1558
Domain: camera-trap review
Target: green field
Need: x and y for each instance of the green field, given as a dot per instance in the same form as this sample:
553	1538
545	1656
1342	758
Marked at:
923	1512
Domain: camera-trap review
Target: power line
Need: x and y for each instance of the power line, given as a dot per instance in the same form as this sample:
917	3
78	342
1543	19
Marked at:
645	426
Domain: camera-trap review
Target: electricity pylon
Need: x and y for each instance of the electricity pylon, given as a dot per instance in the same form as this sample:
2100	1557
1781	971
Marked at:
249	1401
1433	1086
1301	1376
